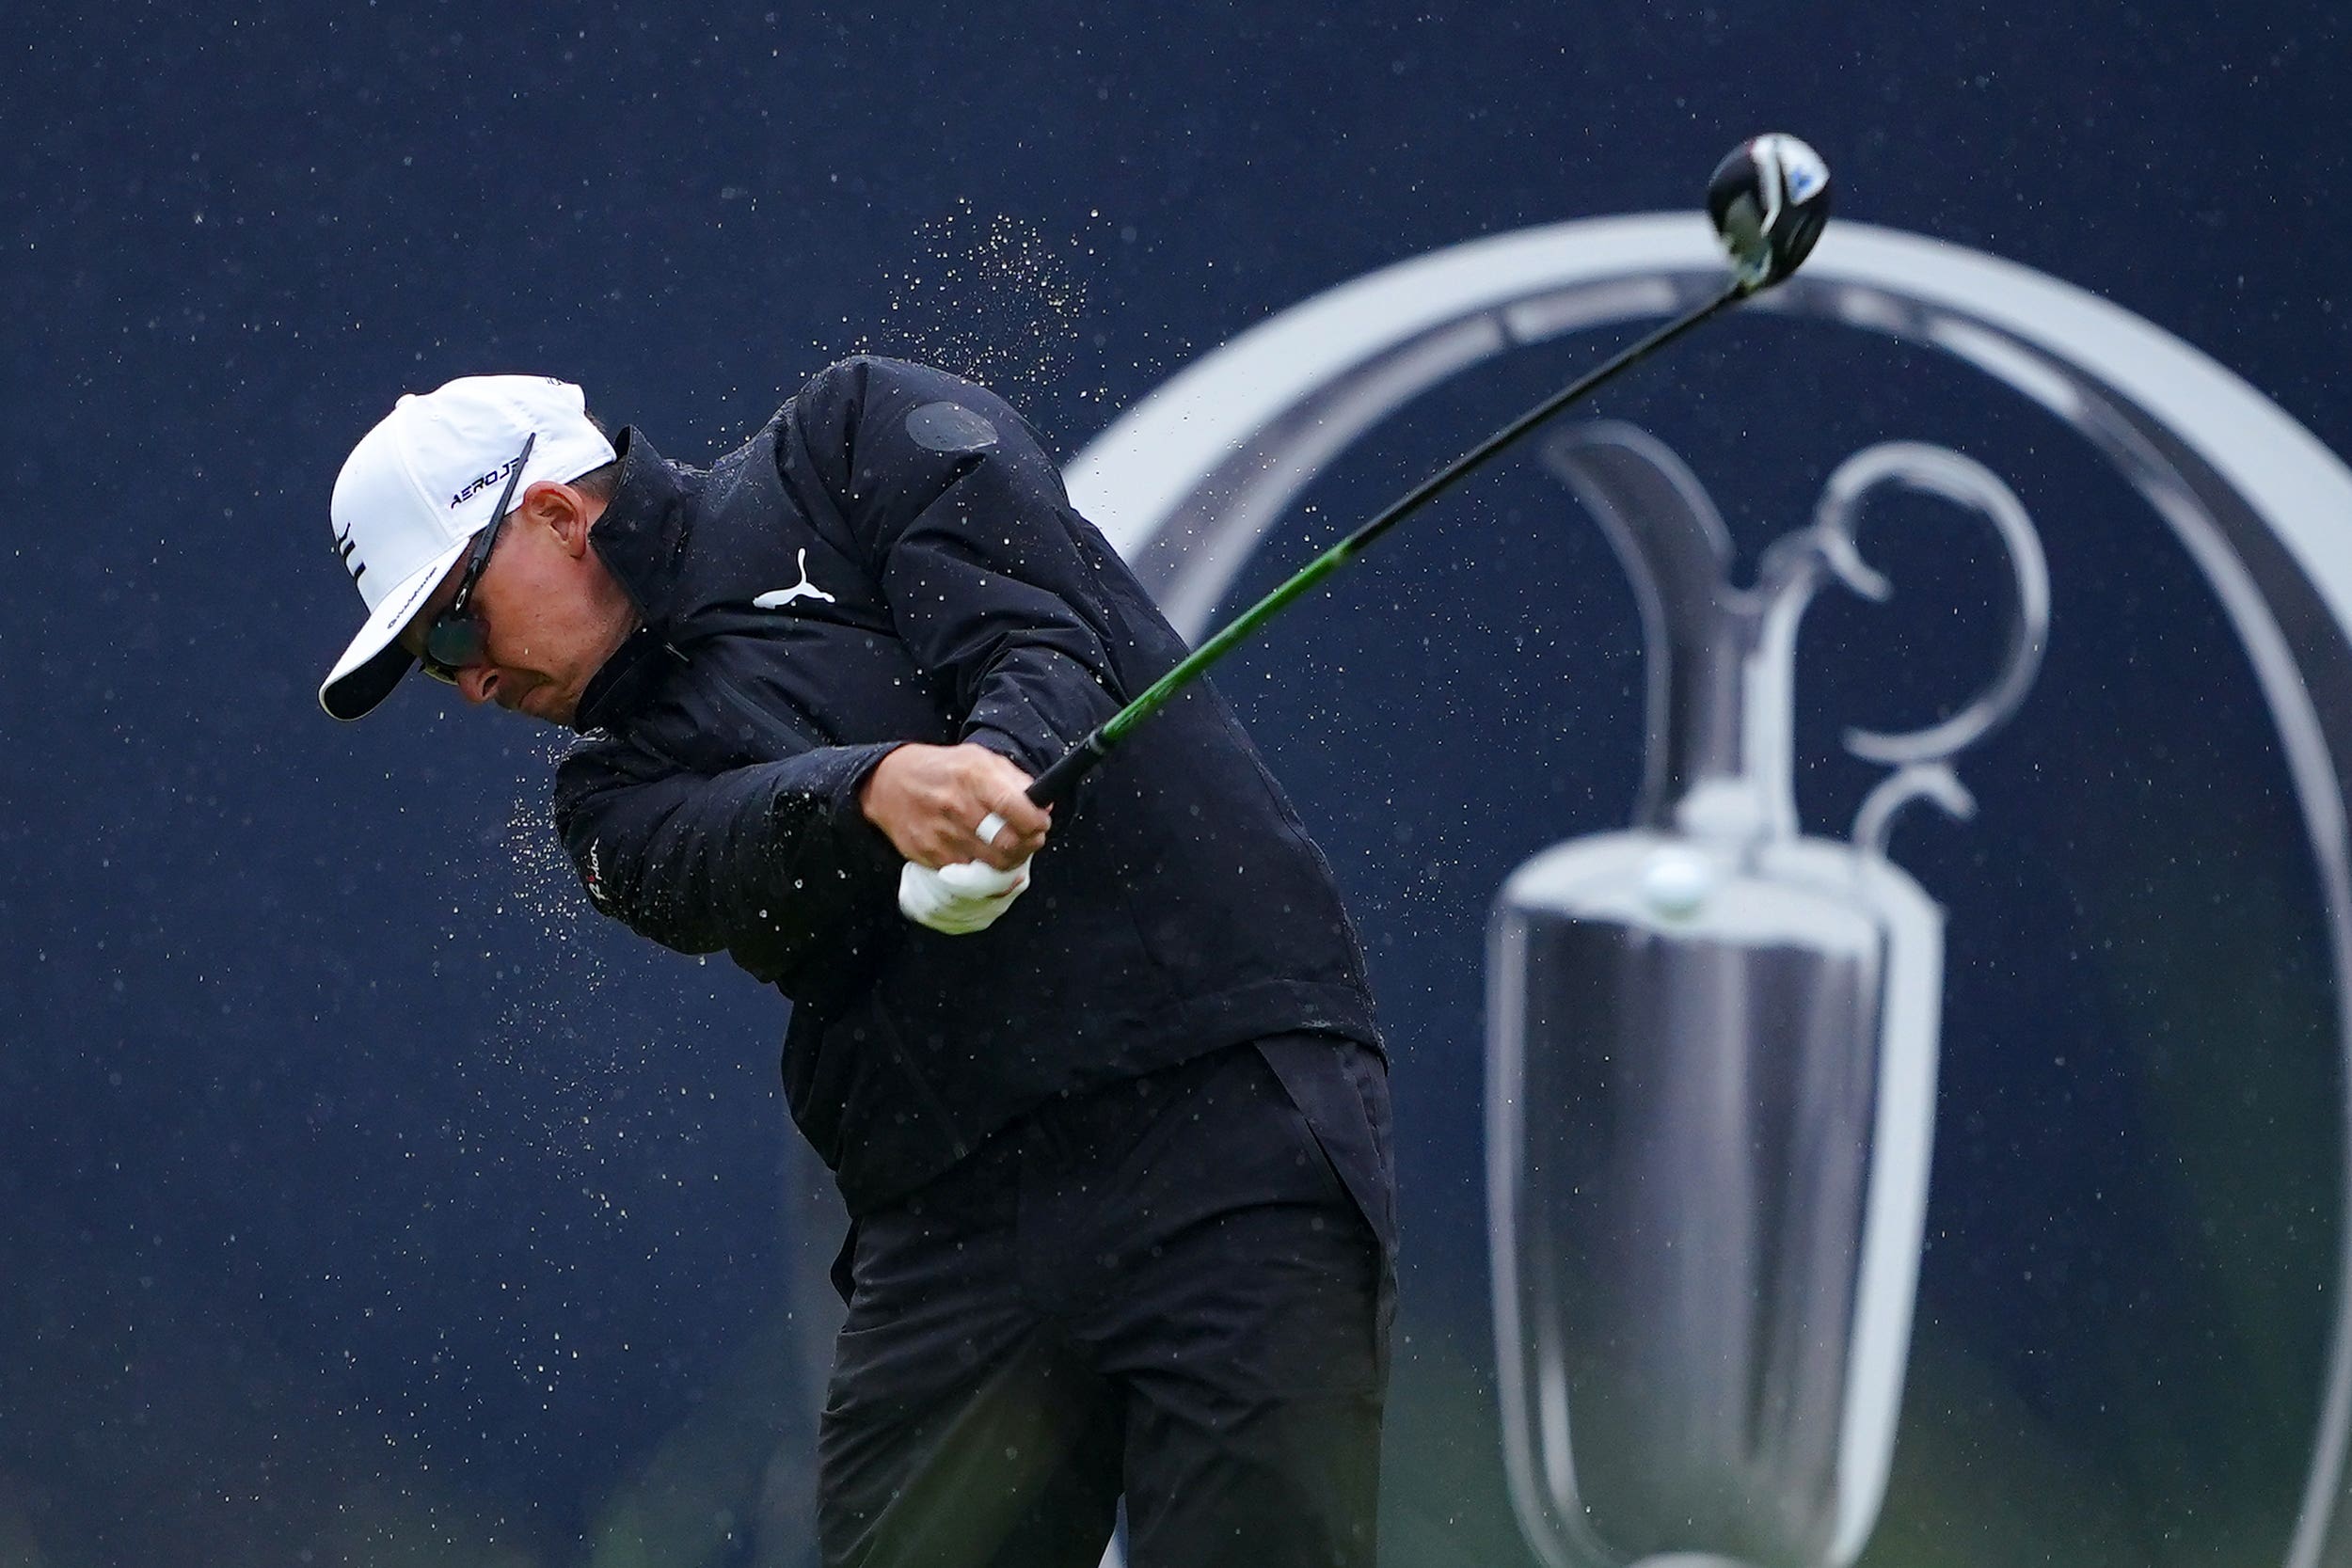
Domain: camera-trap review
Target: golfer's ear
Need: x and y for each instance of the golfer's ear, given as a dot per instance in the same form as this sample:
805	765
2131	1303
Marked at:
563	510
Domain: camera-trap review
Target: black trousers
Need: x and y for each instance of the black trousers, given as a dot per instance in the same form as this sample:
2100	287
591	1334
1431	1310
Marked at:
1177	1289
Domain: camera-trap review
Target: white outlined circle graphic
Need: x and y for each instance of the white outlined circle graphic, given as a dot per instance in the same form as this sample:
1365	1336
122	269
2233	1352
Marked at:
1188	481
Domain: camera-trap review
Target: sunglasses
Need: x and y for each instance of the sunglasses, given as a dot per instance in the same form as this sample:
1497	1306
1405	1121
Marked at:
455	638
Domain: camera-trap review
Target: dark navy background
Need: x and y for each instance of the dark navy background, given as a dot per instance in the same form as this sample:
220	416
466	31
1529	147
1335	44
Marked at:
363	1198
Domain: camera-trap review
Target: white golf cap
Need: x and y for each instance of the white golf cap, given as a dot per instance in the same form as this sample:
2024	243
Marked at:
420	484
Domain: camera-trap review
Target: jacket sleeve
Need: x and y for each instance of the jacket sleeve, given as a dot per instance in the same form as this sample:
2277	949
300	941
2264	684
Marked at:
772	863
990	577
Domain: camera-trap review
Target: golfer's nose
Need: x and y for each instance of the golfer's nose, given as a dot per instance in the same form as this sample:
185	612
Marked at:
477	683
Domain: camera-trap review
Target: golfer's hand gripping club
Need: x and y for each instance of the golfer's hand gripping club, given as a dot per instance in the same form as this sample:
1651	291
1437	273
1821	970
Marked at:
959	816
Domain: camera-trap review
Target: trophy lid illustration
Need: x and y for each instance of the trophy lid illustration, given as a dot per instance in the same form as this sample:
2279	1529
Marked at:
1711	1062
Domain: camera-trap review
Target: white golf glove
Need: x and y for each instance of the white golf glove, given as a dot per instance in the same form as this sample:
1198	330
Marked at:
961	899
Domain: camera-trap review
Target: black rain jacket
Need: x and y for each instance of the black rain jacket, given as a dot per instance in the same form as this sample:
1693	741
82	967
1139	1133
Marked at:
893	559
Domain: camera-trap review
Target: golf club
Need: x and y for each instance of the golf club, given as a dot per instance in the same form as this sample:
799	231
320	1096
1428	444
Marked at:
1768	199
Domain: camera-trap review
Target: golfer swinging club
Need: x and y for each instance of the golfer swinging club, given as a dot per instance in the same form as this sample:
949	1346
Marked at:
1100	1085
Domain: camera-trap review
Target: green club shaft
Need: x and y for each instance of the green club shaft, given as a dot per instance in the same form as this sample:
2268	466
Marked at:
1056	782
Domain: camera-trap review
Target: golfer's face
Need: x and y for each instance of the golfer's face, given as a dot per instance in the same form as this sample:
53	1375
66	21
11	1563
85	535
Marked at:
543	633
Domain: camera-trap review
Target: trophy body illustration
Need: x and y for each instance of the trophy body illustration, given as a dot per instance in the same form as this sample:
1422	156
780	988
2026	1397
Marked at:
1712	1065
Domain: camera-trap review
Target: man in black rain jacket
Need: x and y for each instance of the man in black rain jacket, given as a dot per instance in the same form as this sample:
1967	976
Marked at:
1115	1145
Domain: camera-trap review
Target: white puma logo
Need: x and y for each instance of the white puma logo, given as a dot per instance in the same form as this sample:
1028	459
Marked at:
778	599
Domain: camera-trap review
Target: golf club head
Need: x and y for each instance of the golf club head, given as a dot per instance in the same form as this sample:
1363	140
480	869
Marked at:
1769	201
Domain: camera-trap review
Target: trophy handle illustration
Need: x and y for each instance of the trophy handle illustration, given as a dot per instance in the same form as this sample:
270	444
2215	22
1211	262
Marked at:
1711	1062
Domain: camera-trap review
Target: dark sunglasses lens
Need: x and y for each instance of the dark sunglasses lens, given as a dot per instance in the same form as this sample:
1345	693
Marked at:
450	646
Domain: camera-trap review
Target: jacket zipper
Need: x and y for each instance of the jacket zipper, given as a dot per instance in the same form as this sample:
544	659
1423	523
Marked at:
931	1097
776	727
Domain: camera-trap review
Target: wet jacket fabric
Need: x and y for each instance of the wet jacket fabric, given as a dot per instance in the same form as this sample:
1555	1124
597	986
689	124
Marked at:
893	559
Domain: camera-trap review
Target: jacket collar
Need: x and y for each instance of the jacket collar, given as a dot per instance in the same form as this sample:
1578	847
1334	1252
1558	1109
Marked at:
643	532
641	537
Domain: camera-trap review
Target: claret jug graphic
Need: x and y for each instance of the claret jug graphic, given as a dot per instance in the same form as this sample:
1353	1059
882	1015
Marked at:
1712	1063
